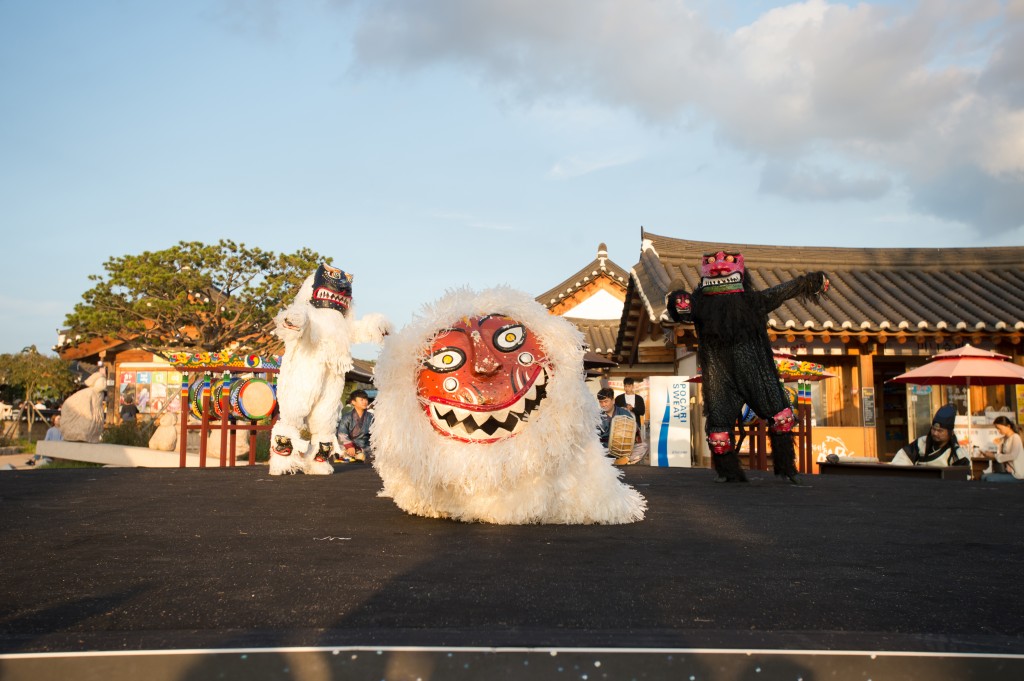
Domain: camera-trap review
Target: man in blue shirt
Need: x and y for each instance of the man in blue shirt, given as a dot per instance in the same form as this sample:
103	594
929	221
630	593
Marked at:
354	428
606	400
54	431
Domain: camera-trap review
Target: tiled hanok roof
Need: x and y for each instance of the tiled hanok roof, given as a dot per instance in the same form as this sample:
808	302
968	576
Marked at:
600	274
361	371
599	334
874	290
599	267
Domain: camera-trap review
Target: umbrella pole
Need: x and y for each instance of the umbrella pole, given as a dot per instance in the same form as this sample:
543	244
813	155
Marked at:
970	445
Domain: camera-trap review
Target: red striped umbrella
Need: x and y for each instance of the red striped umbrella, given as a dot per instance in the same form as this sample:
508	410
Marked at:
965	366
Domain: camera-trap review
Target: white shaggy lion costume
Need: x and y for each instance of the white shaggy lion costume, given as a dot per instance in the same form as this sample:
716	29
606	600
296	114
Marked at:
483	415
318	331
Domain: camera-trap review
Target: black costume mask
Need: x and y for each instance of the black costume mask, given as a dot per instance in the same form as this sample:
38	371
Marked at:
332	288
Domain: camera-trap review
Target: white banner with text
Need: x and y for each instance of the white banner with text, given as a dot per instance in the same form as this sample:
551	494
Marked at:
670	421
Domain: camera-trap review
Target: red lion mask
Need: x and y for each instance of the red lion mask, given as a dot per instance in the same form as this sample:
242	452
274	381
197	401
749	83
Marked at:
721	272
482	378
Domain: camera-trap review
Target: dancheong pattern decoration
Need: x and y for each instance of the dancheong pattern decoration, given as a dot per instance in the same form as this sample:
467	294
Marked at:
793	369
224	360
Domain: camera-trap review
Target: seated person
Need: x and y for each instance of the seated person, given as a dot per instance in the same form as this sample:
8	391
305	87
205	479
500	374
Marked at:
938	448
1010	455
53	433
606	400
354	428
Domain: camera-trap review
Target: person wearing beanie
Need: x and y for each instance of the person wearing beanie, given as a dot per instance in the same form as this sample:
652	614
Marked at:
354	429
939	447
945	416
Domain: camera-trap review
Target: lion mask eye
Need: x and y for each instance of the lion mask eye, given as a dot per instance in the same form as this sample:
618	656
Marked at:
446	359
508	338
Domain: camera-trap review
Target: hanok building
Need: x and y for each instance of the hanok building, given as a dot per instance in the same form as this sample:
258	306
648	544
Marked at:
592	299
887	311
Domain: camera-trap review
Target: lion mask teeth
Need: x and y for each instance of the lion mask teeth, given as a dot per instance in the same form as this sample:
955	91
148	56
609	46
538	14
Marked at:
488	426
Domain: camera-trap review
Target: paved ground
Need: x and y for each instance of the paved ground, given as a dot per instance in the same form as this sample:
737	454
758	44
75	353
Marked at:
144	559
15	461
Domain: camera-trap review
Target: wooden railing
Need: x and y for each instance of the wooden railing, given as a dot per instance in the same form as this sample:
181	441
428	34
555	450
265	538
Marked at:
756	449
227	425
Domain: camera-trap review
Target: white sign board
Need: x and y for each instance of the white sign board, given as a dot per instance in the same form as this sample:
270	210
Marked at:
670	421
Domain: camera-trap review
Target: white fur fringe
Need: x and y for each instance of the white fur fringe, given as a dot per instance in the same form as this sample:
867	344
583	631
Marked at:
554	471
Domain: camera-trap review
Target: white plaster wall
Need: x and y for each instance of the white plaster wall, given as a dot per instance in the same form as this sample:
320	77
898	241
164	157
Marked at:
601	305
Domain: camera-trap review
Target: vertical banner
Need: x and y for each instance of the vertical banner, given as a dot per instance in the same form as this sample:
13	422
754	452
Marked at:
867	403
1020	403
669	413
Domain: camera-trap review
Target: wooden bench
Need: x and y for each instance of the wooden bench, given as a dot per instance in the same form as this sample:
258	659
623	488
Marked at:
887	469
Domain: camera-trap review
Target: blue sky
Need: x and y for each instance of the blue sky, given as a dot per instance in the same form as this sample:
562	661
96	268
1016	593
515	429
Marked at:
430	145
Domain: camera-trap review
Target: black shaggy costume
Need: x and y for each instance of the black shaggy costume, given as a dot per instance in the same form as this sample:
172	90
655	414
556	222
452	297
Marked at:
737	364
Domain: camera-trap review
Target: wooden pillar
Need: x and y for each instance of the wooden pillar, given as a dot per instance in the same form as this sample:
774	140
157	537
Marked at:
183	416
225	423
205	430
762	446
866	369
805	462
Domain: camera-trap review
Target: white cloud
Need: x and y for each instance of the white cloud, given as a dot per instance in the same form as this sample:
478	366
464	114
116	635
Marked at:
817	72
967	194
933	93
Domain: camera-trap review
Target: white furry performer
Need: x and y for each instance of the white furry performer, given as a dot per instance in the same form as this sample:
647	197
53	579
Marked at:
483	415
318	331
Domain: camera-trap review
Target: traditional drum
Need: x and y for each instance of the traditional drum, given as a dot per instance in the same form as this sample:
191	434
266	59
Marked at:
195	398
252	399
621	437
793	396
217	391
233	398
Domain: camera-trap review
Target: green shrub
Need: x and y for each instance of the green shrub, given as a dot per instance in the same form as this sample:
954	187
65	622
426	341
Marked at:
263	446
130	433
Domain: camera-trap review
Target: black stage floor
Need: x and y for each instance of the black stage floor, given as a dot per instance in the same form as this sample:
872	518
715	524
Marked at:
910	578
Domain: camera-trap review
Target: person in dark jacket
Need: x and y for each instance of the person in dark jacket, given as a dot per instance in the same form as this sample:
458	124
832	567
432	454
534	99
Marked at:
129	412
631	401
354	428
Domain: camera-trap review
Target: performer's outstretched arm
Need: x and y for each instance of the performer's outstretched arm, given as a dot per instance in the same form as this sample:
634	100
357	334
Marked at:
372	328
806	286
